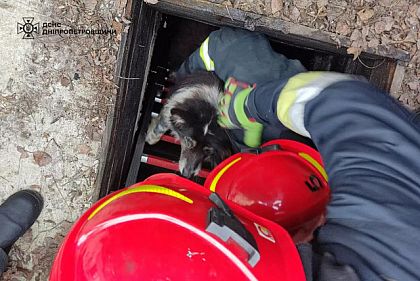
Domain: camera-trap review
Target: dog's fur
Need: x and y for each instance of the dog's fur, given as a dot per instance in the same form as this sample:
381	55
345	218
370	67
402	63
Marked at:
191	116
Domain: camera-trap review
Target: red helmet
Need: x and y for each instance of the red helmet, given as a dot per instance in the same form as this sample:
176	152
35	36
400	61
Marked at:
169	228
284	181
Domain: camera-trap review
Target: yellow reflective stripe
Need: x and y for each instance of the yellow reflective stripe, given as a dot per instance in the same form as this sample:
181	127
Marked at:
252	130
142	188
228	82
289	94
220	174
232	88
314	163
205	57
211	65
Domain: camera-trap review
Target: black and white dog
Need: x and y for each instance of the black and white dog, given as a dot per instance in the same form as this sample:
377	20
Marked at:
191	115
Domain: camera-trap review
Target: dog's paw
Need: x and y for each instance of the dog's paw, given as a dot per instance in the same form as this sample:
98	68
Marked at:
152	137
188	168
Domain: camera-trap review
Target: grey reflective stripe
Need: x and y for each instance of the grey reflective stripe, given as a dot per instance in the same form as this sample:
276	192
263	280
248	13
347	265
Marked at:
224	233
299	90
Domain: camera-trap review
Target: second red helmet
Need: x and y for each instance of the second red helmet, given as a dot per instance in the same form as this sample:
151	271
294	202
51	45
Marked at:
283	181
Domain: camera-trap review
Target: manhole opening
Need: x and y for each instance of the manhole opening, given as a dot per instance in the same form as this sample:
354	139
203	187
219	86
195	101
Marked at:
159	42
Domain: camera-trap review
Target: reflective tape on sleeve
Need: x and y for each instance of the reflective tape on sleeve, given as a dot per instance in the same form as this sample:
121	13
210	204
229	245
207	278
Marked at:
299	90
204	54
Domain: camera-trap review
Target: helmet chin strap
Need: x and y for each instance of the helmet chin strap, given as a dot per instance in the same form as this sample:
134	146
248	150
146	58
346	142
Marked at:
259	150
223	223
236	148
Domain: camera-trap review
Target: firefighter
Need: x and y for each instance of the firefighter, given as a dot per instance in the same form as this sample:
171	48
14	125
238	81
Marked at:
369	143
17	214
168	228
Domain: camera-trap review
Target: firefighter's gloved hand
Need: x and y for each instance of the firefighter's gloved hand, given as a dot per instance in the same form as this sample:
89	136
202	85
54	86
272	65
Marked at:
233	114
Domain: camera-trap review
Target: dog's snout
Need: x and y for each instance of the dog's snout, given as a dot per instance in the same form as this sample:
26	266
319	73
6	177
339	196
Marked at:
185	169
190	161
188	170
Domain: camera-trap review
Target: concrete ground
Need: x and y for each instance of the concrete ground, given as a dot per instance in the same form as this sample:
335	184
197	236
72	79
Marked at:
55	92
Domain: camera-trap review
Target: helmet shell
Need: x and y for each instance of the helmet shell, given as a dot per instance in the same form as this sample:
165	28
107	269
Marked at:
156	230
286	184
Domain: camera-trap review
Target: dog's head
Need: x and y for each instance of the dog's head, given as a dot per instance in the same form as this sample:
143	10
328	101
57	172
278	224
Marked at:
194	123
192	118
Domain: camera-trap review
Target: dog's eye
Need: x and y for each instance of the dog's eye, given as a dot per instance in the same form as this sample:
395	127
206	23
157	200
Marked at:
208	150
189	142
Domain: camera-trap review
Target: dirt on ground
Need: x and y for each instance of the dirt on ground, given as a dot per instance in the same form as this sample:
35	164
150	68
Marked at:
367	23
55	94
56	91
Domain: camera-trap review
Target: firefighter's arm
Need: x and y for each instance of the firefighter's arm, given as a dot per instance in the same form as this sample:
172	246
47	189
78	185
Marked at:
205	57
246	56
223	51
199	60
371	151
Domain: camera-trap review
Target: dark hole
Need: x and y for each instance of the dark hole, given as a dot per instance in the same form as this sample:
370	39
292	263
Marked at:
176	39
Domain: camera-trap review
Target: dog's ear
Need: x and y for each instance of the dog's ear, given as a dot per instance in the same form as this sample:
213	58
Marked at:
208	150
177	118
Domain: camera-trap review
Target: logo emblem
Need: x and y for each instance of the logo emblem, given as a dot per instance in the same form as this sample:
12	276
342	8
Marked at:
264	232
314	183
28	28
